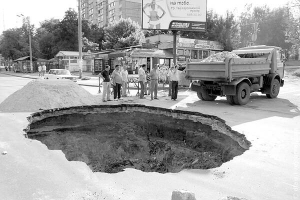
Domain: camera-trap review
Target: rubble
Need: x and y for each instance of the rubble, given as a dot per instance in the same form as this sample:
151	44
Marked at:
220	57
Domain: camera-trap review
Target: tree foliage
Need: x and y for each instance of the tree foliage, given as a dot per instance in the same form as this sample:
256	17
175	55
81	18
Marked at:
218	28
122	33
272	26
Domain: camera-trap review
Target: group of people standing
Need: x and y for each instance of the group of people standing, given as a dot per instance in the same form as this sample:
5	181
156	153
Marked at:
42	70
119	79
153	79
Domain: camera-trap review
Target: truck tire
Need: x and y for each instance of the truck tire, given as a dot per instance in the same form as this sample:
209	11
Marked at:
230	99
204	96
274	90
200	95
243	94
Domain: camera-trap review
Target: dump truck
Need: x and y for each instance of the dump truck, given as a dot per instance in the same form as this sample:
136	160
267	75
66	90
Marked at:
257	69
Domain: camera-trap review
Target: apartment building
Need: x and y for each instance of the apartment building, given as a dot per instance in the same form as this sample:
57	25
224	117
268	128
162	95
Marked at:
103	12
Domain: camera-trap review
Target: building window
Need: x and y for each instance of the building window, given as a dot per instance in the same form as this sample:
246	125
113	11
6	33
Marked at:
111	12
180	52
194	54
91	11
187	52
100	11
111	5
200	54
112	19
205	54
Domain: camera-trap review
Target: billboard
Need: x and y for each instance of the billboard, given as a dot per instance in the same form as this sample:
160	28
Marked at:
187	15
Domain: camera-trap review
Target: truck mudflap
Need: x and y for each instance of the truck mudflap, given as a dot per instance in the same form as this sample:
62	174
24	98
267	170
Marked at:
230	88
267	82
195	86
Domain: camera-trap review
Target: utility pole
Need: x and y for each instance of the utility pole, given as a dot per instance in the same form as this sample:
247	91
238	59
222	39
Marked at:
30	48
80	39
26	21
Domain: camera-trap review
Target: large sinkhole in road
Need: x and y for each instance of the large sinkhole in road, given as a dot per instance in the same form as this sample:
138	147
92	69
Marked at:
110	138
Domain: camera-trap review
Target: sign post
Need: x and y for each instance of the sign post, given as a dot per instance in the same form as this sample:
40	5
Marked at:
174	15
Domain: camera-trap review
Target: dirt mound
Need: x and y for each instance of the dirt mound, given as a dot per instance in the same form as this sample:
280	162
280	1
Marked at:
220	57
47	94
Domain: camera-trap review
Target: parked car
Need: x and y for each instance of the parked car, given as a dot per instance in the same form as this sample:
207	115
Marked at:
60	74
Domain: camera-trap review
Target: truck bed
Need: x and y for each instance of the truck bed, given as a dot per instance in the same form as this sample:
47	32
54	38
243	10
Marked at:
232	68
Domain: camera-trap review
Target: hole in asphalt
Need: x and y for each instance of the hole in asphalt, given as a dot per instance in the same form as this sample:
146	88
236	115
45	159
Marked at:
110	138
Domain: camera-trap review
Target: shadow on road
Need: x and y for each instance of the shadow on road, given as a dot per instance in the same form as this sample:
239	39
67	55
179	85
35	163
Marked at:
259	107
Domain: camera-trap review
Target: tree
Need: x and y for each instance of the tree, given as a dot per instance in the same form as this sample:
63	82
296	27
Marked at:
122	33
46	39
218	28
95	36
66	34
12	44
272	26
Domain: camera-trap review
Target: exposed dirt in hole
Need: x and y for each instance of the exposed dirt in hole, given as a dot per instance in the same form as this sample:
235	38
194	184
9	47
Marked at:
111	138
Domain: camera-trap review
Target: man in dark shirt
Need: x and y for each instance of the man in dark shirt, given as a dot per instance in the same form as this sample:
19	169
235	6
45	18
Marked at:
105	75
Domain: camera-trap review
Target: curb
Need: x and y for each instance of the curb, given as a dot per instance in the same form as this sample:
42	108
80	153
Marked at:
33	77
82	84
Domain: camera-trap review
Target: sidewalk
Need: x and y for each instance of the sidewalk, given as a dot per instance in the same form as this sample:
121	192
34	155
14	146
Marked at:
91	80
88	79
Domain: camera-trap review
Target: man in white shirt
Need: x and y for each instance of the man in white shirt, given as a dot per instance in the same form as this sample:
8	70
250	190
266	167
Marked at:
40	70
117	82
124	74
174	78
44	69
142	80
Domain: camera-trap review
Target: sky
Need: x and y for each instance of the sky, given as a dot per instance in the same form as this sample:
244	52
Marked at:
40	10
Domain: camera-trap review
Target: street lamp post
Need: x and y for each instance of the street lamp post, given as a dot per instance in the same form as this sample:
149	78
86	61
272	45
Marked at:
80	39
27	22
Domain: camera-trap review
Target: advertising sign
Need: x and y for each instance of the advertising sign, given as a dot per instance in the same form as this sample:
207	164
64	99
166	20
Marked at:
188	15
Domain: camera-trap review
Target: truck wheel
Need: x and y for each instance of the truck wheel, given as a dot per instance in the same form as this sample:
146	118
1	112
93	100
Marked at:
242	95
275	87
230	99
200	95
204	96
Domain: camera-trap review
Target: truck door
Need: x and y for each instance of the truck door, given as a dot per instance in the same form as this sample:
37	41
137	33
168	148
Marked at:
280	63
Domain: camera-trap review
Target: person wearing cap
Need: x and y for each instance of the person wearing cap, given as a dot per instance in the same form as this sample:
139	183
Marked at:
142	80
154	81
174	78
106	83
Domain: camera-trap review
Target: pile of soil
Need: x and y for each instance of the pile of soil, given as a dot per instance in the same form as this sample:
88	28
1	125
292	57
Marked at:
47	94
220	57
